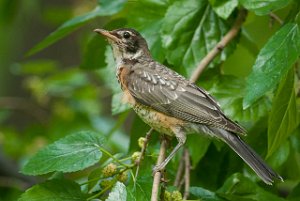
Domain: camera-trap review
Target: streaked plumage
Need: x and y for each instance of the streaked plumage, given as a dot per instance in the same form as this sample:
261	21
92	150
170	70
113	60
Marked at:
171	104
164	90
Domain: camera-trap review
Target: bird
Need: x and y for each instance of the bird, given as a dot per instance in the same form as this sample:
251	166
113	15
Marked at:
173	105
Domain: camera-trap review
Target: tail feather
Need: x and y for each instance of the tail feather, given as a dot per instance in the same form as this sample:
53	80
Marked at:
254	161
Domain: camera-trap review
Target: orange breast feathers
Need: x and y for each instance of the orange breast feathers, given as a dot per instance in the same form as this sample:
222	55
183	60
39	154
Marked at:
122	74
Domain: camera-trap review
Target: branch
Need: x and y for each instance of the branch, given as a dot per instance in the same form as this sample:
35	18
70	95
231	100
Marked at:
179	172
143	151
186	174
231	34
157	175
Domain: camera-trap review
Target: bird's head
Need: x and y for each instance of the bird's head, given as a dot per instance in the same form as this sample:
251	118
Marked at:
126	43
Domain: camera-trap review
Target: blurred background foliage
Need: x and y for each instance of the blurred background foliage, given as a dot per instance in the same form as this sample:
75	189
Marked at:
66	83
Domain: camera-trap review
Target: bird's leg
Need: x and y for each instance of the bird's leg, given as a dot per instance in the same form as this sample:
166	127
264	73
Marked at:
181	140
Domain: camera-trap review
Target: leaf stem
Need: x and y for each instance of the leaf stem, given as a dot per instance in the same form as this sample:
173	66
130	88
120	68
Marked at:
275	17
114	158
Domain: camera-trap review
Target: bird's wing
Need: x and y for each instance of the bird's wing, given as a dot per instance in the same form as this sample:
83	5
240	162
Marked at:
167	92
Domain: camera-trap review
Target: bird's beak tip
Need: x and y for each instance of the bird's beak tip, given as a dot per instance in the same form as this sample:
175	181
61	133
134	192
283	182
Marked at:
100	31
106	34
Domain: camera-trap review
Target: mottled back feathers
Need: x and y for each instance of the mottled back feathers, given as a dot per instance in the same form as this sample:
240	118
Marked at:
168	92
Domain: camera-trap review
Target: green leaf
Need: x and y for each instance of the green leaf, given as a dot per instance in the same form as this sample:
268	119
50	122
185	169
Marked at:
108	74
229	91
264	7
280	156
283	118
138	129
93	54
72	153
118	192
223	8
56	189
204	194
295	194
292	166
93	178
273	62
148	22
140	190
197	146
106	8
117	105
188	34
240	188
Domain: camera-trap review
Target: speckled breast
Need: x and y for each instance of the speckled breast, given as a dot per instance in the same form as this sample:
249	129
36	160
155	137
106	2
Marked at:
160	122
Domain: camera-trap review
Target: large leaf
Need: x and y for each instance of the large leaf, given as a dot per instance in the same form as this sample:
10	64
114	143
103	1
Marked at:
117	105
118	192
223	7
229	91
72	153
197	146
264	7
283	118
108	74
240	188
93	54
204	194
138	129
140	189
295	194
190	30
280	156
273	62
56	189
106	8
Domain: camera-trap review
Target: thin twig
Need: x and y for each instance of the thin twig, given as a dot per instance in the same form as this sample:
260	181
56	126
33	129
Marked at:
179	171
181	183
186	174
275	17
143	151
157	175
231	34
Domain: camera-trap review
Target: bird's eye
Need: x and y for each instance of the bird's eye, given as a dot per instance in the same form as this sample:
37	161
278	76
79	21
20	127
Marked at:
126	35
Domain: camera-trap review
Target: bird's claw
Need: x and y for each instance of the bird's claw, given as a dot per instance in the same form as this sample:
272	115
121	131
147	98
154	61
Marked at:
157	168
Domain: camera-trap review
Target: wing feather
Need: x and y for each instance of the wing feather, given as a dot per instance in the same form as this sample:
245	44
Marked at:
173	95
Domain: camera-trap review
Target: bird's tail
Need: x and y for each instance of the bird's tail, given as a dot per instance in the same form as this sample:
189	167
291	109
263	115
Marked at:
254	161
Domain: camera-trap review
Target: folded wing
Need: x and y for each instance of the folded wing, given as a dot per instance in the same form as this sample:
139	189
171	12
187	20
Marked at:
167	92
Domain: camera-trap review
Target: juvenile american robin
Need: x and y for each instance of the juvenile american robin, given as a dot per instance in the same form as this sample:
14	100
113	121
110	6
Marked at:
171	104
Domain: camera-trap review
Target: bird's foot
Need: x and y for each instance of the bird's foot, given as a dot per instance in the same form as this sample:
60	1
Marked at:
158	168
